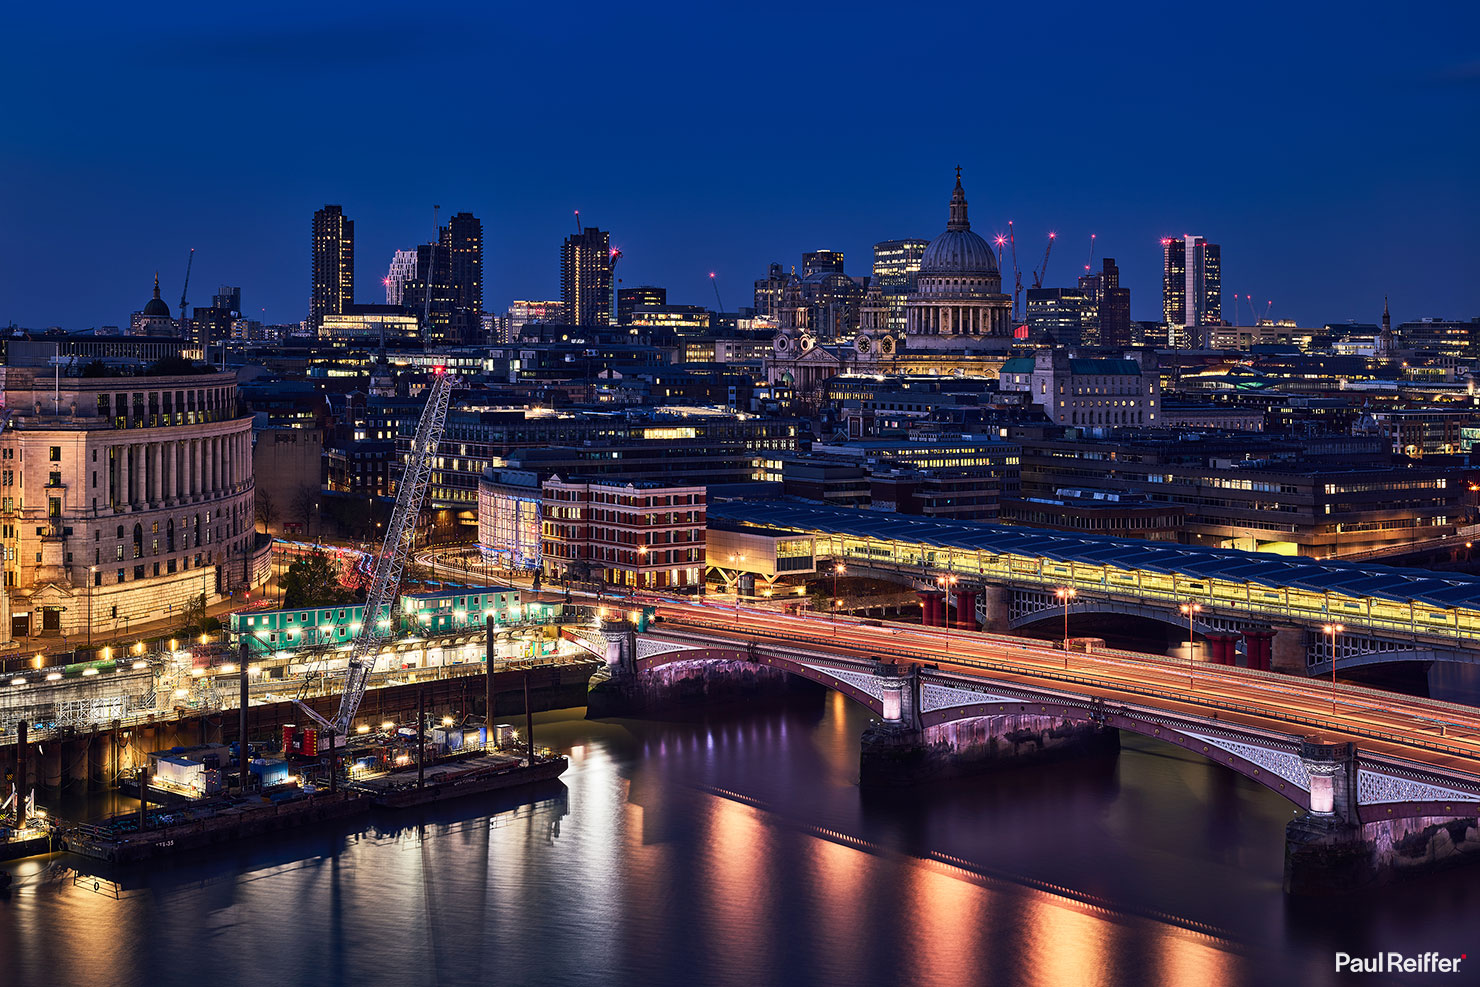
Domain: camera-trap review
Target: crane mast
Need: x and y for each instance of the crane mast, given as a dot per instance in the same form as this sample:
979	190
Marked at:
385	584
185	289
1017	274
1038	274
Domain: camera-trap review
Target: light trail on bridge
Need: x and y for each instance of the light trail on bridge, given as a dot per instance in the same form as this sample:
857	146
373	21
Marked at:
1396	725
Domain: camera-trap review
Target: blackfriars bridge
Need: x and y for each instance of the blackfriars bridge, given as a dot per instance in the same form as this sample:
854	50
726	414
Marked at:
1387	784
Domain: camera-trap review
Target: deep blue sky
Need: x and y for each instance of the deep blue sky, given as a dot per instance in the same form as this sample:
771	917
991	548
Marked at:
1332	149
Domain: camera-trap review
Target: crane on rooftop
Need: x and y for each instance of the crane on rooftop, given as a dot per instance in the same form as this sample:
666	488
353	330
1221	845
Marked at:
184	289
1041	271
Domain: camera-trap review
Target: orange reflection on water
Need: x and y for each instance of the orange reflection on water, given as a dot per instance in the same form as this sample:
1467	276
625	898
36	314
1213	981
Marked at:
951	919
1188	958
737	843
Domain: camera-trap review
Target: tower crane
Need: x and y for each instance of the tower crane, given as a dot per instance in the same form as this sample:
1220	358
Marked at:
1017	275
1040	272
385	583
189	262
718	301
1088	268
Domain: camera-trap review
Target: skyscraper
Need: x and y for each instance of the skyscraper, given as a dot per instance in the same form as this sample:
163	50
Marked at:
586	277
1114	308
1191	284
333	265
402	269
462	239
454	272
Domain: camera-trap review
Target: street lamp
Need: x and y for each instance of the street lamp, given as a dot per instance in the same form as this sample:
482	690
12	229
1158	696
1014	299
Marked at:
642	553
1331	630
1191	610
838	568
1066	593
945	583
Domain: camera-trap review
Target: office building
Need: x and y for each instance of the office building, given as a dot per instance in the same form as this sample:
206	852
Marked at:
123	498
1077	391
586	277
823	261
333	286
523	311
642	296
1062	313
616	532
1191	285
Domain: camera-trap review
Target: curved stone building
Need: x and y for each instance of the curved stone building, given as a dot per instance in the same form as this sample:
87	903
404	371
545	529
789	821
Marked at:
124	494
958	297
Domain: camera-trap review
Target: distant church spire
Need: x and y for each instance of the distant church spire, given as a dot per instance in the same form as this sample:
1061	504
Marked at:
156	284
958	220
1387	320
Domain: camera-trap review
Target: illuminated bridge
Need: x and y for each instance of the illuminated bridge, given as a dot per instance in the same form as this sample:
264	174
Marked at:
1277	605
1388	784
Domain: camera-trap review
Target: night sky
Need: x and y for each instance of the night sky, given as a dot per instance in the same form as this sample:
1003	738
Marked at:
1333	150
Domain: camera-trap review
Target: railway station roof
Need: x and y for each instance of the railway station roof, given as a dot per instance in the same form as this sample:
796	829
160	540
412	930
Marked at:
1351	578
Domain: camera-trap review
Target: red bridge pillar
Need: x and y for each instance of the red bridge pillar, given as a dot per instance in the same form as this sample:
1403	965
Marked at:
1257	645
966	609
932	607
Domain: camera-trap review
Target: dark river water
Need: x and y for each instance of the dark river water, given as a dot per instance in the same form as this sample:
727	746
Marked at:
740	850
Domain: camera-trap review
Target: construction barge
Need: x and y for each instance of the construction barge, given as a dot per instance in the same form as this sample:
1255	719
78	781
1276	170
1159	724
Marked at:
468	776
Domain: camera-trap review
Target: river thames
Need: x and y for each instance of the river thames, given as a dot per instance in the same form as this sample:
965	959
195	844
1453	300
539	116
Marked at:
740	850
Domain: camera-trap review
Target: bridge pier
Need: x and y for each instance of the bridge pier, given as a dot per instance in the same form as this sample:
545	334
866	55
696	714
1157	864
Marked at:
627	688
1330	851
898	752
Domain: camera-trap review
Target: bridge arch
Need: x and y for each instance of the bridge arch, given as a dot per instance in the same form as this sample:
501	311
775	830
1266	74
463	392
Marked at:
857	681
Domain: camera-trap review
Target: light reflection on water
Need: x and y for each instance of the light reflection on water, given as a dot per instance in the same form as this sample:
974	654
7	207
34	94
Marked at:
740	850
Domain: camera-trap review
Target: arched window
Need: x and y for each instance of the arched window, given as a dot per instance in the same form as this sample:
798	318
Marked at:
138	540
169	535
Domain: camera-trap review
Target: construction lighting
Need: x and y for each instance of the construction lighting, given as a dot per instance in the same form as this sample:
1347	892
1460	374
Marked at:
447	721
363	728
89	671
17	681
139	666
53	676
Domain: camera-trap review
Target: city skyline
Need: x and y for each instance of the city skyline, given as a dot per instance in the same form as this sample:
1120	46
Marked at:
726	202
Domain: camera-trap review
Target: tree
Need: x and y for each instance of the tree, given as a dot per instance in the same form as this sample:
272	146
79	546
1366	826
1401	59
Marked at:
312	581
266	510
306	505
193	616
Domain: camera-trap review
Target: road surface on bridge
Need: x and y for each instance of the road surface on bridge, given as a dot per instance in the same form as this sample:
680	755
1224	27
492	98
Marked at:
1429	733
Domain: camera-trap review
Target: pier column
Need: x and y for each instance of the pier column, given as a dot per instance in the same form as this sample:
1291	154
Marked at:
966	609
1256	645
1286	650
929	607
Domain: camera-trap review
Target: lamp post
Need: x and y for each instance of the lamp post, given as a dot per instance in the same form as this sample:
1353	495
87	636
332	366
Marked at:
838	569
1066	593
1331	630
1191	610
945	583
642	554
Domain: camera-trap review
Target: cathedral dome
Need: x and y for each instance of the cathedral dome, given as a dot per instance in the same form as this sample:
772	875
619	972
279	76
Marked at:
958	250
156	308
